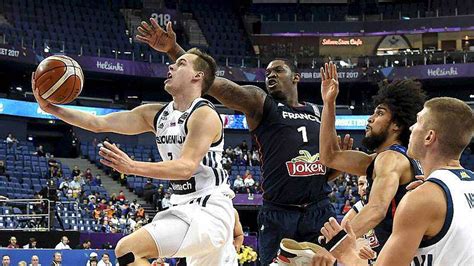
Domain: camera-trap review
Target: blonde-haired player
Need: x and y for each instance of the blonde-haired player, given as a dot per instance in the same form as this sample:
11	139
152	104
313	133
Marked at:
189	136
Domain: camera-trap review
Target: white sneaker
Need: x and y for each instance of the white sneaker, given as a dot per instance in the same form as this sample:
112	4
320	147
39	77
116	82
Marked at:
293	253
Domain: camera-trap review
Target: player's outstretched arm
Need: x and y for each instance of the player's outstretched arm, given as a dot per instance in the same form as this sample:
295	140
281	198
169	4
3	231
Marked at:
426	205
388	168
331	155
198	141
136	121
159	39
247	99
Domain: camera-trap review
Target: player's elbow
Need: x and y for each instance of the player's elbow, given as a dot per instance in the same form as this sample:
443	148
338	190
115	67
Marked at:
326	158
379	213
189	168
96	125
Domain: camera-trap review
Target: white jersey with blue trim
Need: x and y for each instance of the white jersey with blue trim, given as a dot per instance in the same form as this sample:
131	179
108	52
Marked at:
171	131
454	244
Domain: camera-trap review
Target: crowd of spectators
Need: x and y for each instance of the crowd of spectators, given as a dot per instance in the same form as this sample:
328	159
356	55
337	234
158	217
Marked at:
240	155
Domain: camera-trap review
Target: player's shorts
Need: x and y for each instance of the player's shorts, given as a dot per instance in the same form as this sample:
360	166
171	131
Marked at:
200	230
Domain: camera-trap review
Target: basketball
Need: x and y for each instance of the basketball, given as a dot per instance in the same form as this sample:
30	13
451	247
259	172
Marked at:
59	79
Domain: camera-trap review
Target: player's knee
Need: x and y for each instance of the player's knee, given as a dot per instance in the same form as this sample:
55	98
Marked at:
122	248
123	252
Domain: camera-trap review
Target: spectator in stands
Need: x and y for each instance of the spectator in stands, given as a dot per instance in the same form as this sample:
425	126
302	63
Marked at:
148	191
5	260
64	244
75	144
249	182
158	197
237	151
226	163
239	160
64	186
22	263
96	181
12	143
114	220
40	151
244	147
105	261
57	259
247	175
257	188
85	245
346	208
229	152
124	208
92	203
103	205
97	213
93	261
140	213
121	196
13	243
76	187
122	220
88	175
135	205
31	244
166	203
75	171
255	159
239	185
35	261
113	198
2	167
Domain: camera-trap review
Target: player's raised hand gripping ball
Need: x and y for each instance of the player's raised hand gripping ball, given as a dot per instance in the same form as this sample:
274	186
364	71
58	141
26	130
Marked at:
58	79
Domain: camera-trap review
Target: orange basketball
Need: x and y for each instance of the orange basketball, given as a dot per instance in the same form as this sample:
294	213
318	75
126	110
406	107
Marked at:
59	79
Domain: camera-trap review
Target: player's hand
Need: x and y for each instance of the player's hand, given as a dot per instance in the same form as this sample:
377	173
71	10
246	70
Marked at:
417	183
346	143
323	258
329	82
348	245
43	104
116	159
157	38
366	253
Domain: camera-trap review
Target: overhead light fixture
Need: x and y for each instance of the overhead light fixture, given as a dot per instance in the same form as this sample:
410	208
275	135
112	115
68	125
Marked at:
471	96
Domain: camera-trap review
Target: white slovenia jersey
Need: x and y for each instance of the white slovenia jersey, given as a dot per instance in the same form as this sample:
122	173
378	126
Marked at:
454	244
171	131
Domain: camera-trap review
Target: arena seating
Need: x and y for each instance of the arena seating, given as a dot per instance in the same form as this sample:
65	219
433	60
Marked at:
25	175
338	12
223	28
139	152
71	25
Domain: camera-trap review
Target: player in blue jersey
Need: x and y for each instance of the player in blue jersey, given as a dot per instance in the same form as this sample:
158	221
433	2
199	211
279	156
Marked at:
433	224
295	197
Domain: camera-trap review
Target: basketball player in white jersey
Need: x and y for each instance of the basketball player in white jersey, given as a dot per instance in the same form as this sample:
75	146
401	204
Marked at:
189	136
434	223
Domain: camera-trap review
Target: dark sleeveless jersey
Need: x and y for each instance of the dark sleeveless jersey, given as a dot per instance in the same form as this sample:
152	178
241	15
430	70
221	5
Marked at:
288	142
384	229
